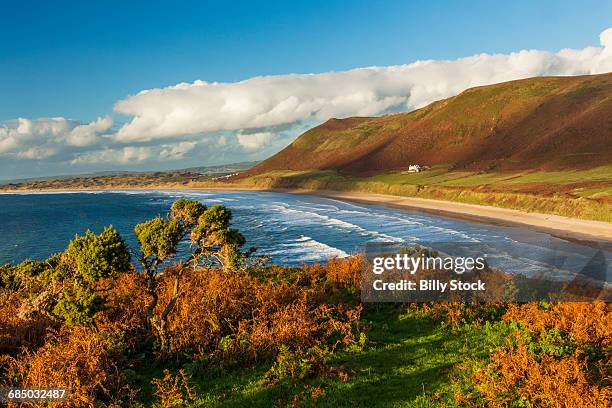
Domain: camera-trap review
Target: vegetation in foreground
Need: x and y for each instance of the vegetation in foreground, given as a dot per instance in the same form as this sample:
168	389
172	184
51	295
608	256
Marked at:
220	328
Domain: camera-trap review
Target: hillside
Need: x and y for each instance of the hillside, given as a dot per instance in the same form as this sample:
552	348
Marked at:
544	123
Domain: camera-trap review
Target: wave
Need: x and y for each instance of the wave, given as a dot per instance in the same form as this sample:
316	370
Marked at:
305	249
333	222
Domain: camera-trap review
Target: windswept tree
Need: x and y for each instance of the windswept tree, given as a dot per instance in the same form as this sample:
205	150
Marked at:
211	238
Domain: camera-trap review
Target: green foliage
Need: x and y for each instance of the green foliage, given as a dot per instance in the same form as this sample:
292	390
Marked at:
99	256
216	218
229	236
552	342
17	276
159	237
78	305
187	210
59	269
8	278
289	364
213	228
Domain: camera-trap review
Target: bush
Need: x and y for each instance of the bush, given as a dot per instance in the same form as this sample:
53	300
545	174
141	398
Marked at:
159	237
255	316
555	353
173	390
515	375
99	256
78	305
21	275
73	358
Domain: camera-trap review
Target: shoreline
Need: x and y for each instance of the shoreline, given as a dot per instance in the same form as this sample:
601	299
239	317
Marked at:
574	229
560	226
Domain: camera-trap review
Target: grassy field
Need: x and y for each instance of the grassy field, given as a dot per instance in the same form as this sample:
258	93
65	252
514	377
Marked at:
408	360
583	194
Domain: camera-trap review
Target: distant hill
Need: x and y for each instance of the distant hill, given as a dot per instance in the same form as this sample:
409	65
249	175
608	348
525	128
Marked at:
538	123
220	169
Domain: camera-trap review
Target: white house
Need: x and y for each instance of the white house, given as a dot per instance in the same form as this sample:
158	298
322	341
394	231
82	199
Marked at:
415	168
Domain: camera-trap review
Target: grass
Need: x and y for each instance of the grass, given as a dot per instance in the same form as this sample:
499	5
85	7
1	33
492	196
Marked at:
408	361
440	175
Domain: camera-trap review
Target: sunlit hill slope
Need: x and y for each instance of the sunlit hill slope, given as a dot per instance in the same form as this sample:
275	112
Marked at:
545	123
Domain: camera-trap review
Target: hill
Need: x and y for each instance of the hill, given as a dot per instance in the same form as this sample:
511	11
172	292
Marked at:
544	123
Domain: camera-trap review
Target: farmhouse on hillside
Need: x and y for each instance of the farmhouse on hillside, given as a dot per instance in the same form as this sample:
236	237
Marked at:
417	168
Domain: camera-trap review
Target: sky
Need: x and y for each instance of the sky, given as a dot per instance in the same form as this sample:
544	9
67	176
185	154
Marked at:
151	85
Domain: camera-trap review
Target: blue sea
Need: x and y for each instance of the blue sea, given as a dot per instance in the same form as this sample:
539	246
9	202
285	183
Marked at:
290	229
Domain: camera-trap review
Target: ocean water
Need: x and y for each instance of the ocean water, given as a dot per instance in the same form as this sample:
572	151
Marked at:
291	229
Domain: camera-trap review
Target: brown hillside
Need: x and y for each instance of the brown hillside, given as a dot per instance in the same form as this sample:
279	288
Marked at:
545	123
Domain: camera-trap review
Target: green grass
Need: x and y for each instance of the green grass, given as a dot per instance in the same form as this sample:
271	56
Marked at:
408	361
439	175
602	173
594	192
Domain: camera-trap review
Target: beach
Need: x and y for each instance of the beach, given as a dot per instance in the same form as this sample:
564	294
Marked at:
564	227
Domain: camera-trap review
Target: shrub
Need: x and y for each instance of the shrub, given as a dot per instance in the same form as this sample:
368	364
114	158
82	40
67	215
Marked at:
295	365
173	390
159	237
516	375
19	329
21	275
187	210
556	355
254	316
73	358
99	256
78	305
585	322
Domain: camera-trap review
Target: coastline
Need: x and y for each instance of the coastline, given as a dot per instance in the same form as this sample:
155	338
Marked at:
563	227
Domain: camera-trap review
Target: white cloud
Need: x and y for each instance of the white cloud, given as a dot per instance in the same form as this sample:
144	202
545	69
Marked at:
133	155
125	155
87	135
177	151
254	141
268	101
46	137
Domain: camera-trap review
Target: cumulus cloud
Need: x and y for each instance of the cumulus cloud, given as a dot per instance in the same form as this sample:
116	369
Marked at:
87	135
254	141
263	102
125	155
177	151
134	155
46	137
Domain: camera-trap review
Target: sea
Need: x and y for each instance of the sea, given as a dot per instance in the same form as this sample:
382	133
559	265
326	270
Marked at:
288	229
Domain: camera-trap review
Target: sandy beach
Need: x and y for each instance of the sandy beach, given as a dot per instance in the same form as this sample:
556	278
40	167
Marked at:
561	226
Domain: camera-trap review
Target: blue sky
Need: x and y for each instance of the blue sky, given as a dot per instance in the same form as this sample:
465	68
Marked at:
76	60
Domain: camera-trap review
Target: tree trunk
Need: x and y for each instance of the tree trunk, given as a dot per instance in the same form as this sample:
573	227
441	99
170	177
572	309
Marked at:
162	325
